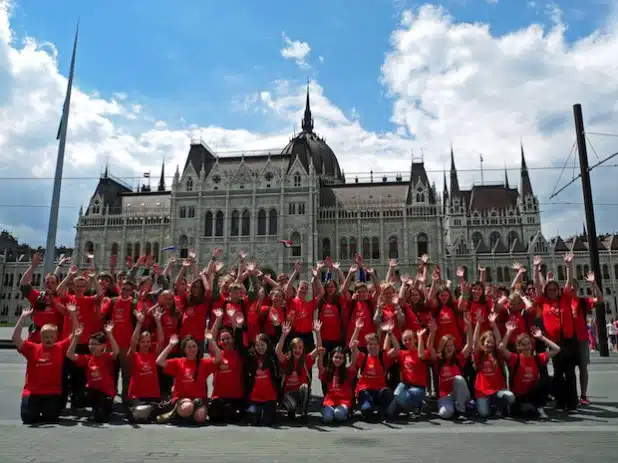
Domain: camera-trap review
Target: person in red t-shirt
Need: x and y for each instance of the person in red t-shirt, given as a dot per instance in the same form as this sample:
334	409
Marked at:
338	380
452	388
190	373
490	384
300	309
42	394
531	389
99	366
296	369
144	391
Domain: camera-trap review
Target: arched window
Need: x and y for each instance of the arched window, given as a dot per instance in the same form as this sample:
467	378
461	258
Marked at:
296	244
586	270
465	269
366	248
477	238
353	248
272	222
129	250
325	248
375	248
544	270
183	242
89	248
488	274
297	179
605	272
235	225
616	272
246	223
219	224
393	248
499	275
148	251
422	245
114	251
136	250
511	237
462	248
261	222
343	249
578	272
494	238
561	275
208	224
189	184
155	252
507	274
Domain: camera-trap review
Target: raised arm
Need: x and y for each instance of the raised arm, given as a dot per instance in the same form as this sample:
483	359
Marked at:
19	327
162	358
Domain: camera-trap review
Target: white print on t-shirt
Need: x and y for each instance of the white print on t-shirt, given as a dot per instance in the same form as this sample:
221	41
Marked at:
528	375
447	373
188	374
146	369
292	379
44	359
260	374
95	374
488	368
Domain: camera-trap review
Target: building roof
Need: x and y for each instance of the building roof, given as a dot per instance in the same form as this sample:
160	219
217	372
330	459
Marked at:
110	189
486	197
353	193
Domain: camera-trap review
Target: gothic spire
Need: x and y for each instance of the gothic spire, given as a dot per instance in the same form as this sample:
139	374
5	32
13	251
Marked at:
506	178
454	179
307	123
162	179
525	186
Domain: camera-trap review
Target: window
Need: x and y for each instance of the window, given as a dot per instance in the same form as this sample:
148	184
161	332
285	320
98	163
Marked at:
375	248
272	222
191	212
586	270
184	246
96	207
261	222
494	238
235	225
477	238
507	274
488	274
325	248
246	223
296	245
301	208
393	248
208	224
616	271
155	252
89	248
353	248
114	251
511	237
605	272
420	196
137	251
219	224
465	269
578	272
292	209
148	249
422	245
499	275
297	179
129	250
561	274
366	248
343	249
189	184
182	212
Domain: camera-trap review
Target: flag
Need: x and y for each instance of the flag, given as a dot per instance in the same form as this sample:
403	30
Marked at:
170	248
146	174
286	243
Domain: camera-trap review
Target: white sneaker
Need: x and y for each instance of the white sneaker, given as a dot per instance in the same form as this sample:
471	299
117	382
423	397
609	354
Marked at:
542	414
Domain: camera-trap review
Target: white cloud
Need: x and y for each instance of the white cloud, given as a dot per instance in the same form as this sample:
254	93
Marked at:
295	50
448	81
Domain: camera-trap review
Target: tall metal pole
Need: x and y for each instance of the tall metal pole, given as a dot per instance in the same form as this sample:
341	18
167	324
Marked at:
593	247
50	249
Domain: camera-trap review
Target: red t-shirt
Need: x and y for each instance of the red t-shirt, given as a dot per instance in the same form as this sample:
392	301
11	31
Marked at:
292	381
44	367
186	384
418	317
388	316
413	368
303	314
263	387
269	328
169	323
521	320
193	321
373	376
527	373
331	316
43	314
144	382
99	372
581	307
362	310
120	314
489	375
232	308
557	317
448	324
256	320
88	316
228	376
485	309
336	393
447	370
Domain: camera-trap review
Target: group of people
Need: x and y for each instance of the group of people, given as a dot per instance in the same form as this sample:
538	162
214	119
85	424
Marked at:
382	348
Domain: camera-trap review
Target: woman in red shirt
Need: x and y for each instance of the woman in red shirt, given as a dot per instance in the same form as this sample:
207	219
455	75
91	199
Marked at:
99	367
490	384
296	369
339	385
331	314
531	389
452	388
190	373
144	390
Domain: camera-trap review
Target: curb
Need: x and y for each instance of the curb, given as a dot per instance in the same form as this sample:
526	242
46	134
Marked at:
7	344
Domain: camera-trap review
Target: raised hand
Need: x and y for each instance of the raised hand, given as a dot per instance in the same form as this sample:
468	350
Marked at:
359	323
516	266
187	263
286	329
353	268
536	332
467	318
314	272
218	313
208	335
537	261
568	257
192	254
492	317
460	272
387	327
79	331
239	319
392	263
242	255
173	340
424	259
336	265
219	266
73	270
27	312
71	308
481	268
511	326
109	327
251	267
297	266
420	333
590	278
317	326
139	316
37	259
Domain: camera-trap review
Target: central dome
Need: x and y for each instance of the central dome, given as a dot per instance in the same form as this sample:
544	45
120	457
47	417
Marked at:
308	145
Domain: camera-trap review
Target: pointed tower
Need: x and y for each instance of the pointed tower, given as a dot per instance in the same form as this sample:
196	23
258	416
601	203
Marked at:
444	195
528	203
525	187
307	122
106	170
454	179
506	178
161	186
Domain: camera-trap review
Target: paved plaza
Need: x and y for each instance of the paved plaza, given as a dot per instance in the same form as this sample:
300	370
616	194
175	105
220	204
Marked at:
589	436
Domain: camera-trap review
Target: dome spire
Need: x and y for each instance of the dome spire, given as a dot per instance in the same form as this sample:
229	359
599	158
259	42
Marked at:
307	123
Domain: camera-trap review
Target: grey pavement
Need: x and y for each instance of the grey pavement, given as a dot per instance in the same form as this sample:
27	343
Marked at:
589	436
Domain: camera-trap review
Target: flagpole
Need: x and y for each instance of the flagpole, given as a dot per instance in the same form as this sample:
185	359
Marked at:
50	249
482	179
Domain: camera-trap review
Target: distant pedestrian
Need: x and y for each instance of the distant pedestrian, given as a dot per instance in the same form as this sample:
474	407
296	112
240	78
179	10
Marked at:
611	334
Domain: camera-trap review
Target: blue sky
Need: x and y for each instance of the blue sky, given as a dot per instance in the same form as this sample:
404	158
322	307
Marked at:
389	78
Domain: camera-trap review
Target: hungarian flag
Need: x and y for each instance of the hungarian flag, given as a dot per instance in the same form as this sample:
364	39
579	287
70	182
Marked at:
286	243
146	174
170	248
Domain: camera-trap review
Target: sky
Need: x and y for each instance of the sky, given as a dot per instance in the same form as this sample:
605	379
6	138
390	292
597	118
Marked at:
390	81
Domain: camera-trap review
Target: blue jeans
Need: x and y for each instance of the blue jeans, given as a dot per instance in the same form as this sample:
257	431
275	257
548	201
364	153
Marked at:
371	399
500	399
339	413
406	398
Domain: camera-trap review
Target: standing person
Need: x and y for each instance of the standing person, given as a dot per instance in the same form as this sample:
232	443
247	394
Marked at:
611	334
